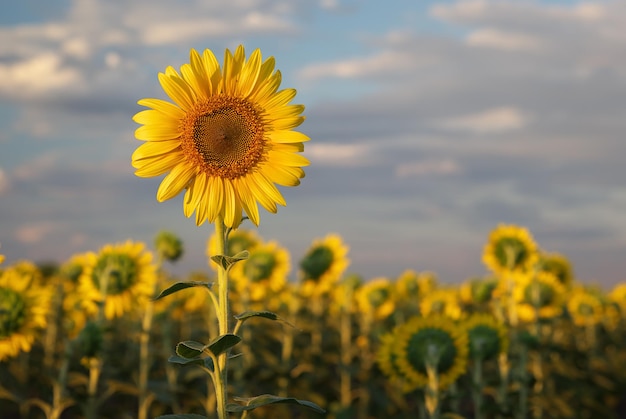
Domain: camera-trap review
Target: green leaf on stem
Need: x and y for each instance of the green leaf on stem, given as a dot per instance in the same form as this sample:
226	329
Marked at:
265	314
222	343
265	399
203	362
190	349
227	261
181	286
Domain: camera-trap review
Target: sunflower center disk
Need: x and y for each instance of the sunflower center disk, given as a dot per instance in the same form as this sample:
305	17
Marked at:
118	270
225	137
12	312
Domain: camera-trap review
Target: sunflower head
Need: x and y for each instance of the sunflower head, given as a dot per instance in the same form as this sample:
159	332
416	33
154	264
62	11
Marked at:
24	307
323	265
121	275
585	307
478	290
430	343
227	139
487	337
539	295
168	246
510	249
376	298
558	265
443	302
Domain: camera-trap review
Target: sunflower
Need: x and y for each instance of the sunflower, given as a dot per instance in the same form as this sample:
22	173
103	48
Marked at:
126	270
558	265
443	301
238	241
323	265
265	271
386	360
228	139
24	308
376	298
538	296
510	249
343	294
477	291
487	336
586	308
74	317
425	343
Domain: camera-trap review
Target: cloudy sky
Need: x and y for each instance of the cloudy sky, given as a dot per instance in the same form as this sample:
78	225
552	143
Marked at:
431	122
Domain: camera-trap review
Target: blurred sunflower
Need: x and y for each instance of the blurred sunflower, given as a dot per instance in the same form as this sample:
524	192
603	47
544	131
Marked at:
375	298
323	265
487	337
618	296
28	271
238	241
443	301
477	291
510	248
434	343
411	285
24	307
538	296
264	272
343	294
127	272
227	140
585	308
386	360
558	265
186	303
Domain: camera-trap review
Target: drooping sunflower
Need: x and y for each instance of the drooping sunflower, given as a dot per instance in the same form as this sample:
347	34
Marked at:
487	336
586	308
432	342
238	241
323	265
228	139
375	298
538	296
264	272
559	265
443	302
122	274
24	308
510	248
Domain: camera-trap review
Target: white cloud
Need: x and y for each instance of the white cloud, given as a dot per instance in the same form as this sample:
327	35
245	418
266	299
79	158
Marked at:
42	74
494	120
383	63
35	232
426	167
508	41
338	154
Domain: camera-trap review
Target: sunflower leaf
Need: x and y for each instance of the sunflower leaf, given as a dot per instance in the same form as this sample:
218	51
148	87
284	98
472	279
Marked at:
190	349
222	343
265	314
227	261
181	286
203	362
265	399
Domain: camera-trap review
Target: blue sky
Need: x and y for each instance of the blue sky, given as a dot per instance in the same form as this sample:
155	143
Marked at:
431	122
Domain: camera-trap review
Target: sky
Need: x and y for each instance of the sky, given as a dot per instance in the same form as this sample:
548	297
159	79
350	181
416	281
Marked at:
431	122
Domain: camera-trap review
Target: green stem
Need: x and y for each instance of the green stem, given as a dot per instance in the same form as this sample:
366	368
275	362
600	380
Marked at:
523	382
477	388
221	367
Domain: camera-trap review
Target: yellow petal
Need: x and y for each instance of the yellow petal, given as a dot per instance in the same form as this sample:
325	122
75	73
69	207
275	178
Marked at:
250	73
287	136
156	133
178	90
154	117
248	200
264	74
287	159
215	198
229	203
279	99
164	107
287	123
154	149
175	181
158	165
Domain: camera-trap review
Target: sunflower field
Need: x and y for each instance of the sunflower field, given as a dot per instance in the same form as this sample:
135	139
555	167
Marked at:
88	338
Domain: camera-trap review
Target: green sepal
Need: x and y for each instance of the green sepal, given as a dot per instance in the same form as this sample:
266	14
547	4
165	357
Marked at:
222	343
227	261
203	362
190	349
265	399
181	286
182	416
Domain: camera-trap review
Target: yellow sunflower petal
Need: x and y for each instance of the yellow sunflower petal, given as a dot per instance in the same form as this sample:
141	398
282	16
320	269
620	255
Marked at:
153	149
175	182
158	165
215	190
156	133
287	136
287	123
250	73
177	90
287	159
248	201
280	99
